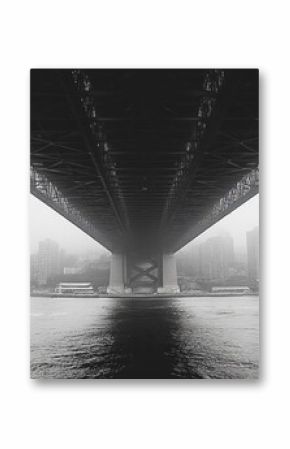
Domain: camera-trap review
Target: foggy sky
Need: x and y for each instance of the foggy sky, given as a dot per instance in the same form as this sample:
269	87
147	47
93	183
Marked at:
46	223
241	220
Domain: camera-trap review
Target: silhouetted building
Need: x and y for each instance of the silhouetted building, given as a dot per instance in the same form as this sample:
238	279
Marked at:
253	256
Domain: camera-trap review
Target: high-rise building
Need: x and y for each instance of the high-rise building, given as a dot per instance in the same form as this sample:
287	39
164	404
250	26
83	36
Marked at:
48	260
253	255
216	257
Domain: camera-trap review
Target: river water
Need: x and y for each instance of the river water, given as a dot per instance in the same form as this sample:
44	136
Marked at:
208	337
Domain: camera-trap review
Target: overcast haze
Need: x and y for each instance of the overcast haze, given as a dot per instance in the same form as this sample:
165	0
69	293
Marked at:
46	223
241	220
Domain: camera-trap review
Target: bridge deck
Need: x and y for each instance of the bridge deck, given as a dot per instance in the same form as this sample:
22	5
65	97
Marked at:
144	157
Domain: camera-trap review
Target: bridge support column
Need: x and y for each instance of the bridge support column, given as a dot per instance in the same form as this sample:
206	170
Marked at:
144	276
117	274
169	275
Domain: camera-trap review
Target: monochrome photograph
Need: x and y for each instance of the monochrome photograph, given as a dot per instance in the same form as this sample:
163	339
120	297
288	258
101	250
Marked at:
144	223
145	229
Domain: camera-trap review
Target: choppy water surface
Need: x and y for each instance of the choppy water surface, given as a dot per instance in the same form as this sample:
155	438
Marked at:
213	337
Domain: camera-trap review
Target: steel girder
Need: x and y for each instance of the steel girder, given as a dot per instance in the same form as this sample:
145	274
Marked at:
144	155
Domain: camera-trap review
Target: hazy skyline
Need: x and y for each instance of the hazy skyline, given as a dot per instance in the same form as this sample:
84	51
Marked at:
237	223
46	223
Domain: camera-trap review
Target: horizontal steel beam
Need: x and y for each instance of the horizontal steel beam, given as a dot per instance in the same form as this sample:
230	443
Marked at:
48	193
245	189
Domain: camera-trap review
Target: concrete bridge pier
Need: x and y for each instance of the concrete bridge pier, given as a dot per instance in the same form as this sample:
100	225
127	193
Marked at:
117	274
169	275
157	276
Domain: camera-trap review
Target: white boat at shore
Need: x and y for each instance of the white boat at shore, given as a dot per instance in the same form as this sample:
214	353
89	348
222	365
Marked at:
75	288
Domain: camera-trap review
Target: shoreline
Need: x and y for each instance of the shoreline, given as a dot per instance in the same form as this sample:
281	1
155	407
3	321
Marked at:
143	296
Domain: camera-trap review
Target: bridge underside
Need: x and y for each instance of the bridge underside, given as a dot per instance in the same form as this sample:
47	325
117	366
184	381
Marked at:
144	160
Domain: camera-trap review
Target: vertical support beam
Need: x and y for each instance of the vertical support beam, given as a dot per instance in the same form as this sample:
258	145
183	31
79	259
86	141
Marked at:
169	278
117	274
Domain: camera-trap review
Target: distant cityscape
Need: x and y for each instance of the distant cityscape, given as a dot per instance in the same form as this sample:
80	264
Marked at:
52	265
210	265
216	263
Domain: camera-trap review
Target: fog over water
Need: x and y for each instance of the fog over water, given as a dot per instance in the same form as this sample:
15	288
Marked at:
46	223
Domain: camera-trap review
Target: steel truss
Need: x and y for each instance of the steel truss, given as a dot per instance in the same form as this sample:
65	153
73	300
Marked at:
245	189
102	157
212	86
42	188
142	157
